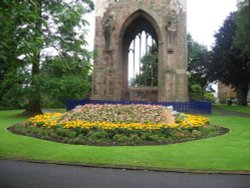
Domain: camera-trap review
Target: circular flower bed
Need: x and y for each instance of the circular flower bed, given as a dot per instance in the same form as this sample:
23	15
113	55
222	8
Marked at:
118	125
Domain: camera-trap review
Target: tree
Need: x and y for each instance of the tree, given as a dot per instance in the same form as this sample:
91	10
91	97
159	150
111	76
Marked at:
149	71
198	83
16	23
229	64
242	38
45	25
65	82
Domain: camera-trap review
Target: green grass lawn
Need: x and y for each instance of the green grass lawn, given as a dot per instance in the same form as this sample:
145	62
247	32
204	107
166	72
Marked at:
244	109
229	152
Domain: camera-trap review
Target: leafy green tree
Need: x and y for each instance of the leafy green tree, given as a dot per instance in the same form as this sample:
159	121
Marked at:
16	23
12	90
198	83
242	38
149	71
229	64
66	80
36	28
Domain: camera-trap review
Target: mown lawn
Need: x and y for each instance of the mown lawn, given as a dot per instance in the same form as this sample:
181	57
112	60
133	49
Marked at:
243	109
227	153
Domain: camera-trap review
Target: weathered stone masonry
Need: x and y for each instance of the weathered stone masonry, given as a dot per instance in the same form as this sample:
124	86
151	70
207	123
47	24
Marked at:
117	22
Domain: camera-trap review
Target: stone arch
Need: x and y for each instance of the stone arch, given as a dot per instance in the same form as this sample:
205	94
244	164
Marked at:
140	13
135	23
117	23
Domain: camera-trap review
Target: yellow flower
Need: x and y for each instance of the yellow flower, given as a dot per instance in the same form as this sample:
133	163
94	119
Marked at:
50	120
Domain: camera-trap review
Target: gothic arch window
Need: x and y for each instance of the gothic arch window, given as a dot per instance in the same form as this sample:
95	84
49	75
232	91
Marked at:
140	51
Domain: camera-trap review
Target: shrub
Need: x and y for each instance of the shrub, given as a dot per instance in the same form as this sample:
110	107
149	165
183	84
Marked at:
121	139
134	139
157	138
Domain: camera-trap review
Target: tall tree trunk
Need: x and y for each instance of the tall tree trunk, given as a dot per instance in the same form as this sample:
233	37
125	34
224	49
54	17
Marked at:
34	105
241	95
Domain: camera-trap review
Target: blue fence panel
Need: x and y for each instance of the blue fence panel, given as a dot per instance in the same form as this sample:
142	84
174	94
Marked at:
193	107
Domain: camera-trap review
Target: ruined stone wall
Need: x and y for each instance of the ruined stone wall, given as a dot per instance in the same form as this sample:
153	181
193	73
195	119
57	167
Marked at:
168	18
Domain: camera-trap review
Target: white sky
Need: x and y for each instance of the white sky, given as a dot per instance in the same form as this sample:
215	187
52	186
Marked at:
204	18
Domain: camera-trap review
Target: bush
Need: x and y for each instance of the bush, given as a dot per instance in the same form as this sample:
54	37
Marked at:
134	139
157	138
121	139
97	137
196	134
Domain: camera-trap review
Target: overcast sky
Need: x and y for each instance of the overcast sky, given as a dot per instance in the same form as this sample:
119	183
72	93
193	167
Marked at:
204	18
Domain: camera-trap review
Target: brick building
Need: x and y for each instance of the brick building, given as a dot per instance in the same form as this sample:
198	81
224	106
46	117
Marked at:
225	93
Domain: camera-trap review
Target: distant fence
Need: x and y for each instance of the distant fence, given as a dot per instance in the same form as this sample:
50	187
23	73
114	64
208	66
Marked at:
195	107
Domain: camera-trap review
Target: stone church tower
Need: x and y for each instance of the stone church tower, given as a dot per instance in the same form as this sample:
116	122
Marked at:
117	24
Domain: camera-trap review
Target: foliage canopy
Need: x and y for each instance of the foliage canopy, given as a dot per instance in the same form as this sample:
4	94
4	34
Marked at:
35	36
